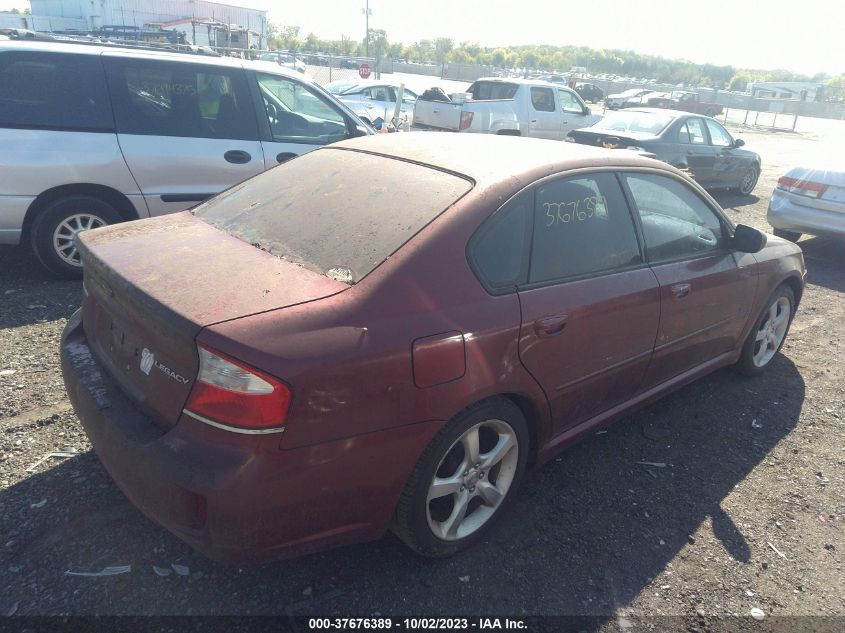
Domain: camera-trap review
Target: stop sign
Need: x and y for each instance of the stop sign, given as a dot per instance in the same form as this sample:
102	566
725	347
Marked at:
364	71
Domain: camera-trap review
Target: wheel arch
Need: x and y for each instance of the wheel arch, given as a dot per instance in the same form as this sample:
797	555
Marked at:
796	285
119	201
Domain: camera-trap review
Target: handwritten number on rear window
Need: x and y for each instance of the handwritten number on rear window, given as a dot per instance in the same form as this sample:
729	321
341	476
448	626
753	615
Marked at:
559	213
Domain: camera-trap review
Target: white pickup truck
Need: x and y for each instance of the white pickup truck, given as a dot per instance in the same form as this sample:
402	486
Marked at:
520	107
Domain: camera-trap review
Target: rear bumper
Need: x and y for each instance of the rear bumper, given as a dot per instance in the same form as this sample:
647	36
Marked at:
239	498
785	214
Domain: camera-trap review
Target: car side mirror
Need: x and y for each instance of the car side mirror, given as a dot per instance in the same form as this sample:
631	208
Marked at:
739	142
748	240
587	111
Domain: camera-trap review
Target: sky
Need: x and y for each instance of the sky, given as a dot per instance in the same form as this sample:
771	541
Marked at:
806	36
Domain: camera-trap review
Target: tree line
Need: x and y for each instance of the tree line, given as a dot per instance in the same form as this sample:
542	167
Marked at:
547	58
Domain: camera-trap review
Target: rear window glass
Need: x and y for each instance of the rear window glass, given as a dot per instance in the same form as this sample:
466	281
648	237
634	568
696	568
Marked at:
53	91
633	121
489	90
338	213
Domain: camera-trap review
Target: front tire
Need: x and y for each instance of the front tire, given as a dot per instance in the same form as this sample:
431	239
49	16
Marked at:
464	478
769	332
57	225
748	181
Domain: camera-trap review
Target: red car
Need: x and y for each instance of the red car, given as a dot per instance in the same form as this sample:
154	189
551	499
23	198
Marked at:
385	333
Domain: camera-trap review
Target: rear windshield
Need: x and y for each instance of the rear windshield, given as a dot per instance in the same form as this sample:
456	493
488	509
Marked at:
633	121
336	212
489	90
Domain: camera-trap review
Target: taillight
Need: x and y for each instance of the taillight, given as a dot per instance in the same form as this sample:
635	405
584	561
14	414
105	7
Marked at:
232	394
801	187
466	120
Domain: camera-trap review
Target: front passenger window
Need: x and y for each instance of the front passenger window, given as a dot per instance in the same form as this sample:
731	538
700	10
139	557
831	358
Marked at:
676	222
298	114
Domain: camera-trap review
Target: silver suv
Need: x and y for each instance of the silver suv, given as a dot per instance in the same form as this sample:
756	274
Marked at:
98	134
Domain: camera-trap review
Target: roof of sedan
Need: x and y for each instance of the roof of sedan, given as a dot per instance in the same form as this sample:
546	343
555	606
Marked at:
489	156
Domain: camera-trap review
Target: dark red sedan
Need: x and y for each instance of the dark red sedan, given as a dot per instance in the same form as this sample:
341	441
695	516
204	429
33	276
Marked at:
387	332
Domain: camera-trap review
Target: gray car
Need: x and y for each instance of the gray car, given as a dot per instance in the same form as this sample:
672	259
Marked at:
809	200
98	134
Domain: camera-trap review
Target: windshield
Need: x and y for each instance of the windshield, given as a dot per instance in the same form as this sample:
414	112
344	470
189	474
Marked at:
634	121
339	87
325	211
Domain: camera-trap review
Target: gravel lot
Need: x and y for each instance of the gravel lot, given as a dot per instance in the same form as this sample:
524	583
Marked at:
748	510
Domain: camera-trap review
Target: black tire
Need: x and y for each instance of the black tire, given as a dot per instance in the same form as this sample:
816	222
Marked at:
792	236
412	512
746	364
748	181
710	112
52	216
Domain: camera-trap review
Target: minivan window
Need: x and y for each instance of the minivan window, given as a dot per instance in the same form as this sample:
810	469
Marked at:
51	90
490	90
296	113
325	211
582	226
180	99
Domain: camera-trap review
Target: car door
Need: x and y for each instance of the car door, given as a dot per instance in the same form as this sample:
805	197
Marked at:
294	117
706	289
728	163
187	131
590	305
696	151
573	112
544	116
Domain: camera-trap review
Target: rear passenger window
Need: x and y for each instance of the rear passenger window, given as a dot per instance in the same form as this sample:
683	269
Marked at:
691	133
181	99
581	226
53	90
500	248
676	222
543	99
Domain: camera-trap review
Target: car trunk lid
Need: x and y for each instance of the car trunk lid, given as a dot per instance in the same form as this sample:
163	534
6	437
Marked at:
145	301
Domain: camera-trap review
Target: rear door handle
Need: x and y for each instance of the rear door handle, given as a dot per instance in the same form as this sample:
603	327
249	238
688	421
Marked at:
550	325
679	291
237	156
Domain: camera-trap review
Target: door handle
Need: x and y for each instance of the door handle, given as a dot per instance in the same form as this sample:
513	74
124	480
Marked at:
550	325
283	156
237	156
679	291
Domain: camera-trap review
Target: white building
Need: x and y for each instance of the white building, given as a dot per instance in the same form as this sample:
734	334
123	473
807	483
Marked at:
140	13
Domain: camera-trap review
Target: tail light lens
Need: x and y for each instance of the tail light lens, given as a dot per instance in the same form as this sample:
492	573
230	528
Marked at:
233	394
466	120
801	187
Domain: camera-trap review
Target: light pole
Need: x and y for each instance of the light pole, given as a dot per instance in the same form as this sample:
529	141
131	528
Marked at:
367	26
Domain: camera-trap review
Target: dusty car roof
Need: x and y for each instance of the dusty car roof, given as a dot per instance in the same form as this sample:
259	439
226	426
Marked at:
484	157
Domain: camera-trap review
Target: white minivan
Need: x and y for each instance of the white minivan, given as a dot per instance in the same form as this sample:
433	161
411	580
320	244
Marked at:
98	134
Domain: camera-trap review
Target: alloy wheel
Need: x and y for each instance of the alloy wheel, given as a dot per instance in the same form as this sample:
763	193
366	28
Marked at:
67	230
771	332
472	479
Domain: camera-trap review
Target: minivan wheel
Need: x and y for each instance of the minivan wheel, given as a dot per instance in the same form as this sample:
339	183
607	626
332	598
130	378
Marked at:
464	478
769	332
57	225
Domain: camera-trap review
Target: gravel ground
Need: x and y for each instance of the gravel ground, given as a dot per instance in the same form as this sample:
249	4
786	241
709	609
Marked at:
745	510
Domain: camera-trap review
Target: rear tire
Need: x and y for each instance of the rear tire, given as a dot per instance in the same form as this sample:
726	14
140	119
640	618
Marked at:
456	491
792	236
57	225
769	332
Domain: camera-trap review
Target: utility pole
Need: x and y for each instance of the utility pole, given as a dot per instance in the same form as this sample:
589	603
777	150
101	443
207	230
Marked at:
367	26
